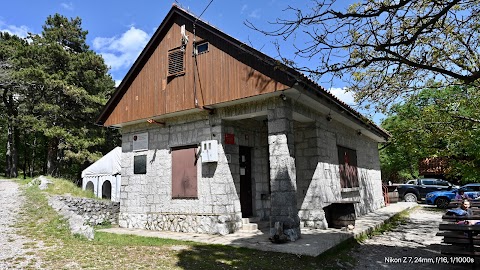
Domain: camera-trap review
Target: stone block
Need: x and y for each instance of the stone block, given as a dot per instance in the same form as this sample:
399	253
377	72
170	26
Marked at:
278	126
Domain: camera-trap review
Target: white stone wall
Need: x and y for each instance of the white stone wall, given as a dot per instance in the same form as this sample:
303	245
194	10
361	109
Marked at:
146	199
318	178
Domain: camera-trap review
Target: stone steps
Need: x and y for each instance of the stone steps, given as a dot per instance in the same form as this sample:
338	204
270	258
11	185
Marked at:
248	226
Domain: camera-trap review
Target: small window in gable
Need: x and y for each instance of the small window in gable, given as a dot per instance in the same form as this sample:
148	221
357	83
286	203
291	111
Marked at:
176	62
202	48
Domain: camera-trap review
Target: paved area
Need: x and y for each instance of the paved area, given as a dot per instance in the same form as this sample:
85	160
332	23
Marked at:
413	244
312	242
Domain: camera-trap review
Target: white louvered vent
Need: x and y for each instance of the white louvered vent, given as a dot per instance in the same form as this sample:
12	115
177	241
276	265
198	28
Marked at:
176	62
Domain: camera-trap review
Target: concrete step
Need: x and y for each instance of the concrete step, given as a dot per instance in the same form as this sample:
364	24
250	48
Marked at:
250	227
250	220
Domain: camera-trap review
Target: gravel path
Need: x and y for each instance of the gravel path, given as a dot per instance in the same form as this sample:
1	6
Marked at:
16	252
413	245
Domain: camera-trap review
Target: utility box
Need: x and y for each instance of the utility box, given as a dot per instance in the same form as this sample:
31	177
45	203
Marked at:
209	151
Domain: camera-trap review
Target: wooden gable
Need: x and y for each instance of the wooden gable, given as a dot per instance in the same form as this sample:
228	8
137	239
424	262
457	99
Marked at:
223	73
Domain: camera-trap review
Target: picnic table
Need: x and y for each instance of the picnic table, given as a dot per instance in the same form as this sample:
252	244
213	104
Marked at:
461	239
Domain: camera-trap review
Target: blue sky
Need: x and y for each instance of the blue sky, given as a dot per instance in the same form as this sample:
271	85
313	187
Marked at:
118	30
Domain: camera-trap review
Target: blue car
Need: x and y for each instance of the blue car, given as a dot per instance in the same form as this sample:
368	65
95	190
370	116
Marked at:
442	198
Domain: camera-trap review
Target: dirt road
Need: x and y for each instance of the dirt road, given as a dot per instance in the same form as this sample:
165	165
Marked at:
15	250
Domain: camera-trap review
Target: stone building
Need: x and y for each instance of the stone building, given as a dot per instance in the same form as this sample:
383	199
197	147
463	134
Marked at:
214	131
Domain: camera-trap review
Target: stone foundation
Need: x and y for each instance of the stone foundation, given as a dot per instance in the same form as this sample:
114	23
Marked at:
93	211
191	223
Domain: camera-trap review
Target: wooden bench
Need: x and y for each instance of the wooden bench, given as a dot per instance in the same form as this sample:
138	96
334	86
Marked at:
456	203
460	239
455	218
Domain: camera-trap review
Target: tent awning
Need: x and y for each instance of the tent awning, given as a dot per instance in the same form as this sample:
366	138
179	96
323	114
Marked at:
110	164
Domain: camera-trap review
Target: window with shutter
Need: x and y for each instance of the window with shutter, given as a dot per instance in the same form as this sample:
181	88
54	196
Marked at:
184	172
176	62
347	159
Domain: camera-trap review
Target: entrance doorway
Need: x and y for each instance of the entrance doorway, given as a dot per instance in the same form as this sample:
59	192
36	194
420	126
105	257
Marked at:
106	190
246	181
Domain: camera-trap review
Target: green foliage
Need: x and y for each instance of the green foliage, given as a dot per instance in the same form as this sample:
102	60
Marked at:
383	49
61	186
60	86
390	224
435	123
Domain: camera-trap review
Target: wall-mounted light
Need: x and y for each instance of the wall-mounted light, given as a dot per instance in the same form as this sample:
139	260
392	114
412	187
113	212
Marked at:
329	118
283	97
359	132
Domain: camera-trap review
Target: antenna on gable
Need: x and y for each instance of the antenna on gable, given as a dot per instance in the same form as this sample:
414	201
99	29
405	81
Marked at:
184	36
194	53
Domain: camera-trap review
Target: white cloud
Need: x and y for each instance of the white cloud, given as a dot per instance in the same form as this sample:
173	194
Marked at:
117	82
343	95
244	8
67	6
255	14
121	52
21	31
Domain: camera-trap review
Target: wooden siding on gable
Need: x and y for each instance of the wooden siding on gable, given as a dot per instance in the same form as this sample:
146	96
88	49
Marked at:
222	74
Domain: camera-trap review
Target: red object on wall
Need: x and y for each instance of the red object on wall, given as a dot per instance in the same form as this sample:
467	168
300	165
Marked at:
229	138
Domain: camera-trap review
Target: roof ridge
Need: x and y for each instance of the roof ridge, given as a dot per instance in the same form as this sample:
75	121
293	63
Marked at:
297	75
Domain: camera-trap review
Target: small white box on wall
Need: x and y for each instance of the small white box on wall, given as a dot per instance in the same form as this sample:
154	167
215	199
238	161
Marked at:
209	151
140	141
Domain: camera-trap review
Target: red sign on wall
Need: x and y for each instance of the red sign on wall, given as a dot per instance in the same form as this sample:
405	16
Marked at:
229	138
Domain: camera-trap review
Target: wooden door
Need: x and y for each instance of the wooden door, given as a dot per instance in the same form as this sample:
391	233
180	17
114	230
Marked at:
246	181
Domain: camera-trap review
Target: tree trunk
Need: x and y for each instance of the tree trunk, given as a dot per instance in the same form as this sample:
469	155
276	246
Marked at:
52	163
15	152
8	154
25	156
11	170
32	161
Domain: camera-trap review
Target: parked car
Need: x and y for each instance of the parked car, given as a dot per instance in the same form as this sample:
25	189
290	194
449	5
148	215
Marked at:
442	198
417	189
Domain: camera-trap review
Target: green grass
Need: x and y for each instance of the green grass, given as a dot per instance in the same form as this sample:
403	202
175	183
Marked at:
111	251
392	223
63	186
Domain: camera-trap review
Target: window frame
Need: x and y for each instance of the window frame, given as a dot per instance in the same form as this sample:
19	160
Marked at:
203	43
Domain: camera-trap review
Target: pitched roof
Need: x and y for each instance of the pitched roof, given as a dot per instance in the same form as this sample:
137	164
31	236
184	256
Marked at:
290	72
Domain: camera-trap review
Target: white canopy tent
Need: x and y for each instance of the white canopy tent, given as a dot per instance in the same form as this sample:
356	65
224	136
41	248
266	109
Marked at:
104	176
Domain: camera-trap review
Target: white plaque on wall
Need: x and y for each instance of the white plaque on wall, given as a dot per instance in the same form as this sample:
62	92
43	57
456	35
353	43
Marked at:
140	141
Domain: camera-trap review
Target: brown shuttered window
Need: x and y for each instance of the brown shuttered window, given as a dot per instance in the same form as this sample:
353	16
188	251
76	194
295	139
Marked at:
347	159
176	62
184	172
